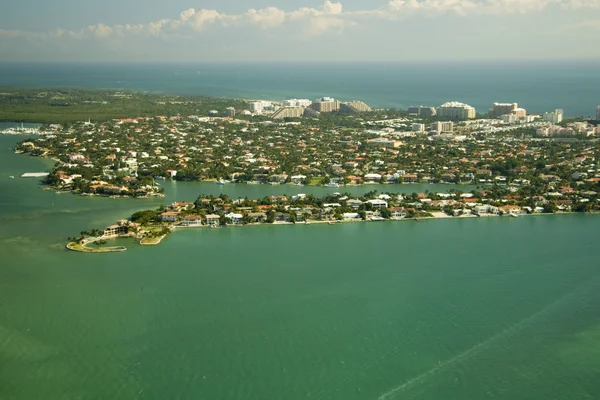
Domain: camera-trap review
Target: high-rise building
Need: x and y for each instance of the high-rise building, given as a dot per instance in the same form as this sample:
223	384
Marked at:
440	127
554	117
422	110
354	107
230	112
500	109
288	112
258	107
418	127
297	103
598	113
456	110
325	104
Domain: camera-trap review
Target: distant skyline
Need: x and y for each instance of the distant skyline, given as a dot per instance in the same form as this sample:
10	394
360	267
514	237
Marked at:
283	30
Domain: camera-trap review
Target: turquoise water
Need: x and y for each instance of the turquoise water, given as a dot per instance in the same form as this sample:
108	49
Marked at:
489	308
536	86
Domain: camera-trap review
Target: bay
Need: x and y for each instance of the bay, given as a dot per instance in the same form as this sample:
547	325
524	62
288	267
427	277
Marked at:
499	308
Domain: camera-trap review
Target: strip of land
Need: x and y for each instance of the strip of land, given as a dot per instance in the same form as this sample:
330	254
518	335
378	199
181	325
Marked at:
150	227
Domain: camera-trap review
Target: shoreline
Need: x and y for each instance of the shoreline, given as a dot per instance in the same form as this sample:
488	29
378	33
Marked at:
73	246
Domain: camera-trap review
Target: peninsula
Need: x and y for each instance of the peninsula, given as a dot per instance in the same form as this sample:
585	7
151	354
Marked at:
325	142
151	226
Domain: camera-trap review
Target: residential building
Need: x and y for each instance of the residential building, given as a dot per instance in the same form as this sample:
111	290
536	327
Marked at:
325	104
418	127
297	103
554	117
169	216
598	113
258	107
439	126
213	220
426	111
354	107
191	220
500	109
230	112
288	112
378	203
235	219
510	118
372	177
456	110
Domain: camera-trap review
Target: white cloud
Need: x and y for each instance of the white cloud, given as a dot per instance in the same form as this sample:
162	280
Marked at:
330	16
269	17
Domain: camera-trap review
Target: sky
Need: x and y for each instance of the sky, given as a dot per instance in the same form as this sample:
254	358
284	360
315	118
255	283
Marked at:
298	30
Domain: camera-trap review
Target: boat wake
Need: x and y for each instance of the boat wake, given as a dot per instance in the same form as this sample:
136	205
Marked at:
482	345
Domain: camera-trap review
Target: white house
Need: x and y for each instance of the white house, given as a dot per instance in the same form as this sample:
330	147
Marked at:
236	219
212	220
192	220
378	203
350	216
372	177
354	203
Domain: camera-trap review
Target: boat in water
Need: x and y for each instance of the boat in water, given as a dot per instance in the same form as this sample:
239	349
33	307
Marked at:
11	177
221	182
331	185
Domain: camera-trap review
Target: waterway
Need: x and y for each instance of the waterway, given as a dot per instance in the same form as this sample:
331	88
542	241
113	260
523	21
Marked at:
490	308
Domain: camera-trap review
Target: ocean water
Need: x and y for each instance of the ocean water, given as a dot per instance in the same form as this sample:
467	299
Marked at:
489	308
537	86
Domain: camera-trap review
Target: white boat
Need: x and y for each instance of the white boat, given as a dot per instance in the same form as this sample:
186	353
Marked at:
220	182
274	183
514	215
252	183
11	177
331	185
377	219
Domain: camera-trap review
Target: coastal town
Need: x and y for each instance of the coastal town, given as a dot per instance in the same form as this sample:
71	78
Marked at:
520	164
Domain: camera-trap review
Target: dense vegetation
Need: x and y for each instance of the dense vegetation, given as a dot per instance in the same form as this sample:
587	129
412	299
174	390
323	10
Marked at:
63	106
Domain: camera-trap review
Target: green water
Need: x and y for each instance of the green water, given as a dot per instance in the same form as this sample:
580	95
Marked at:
496	308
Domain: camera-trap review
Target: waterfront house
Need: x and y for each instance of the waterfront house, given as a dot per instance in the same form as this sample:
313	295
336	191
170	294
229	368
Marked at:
351	216
213	220
378	203
509	209
409	178
191	220
169	216
372	177
354	203
485	209
398	212
257	217
115	230
236	219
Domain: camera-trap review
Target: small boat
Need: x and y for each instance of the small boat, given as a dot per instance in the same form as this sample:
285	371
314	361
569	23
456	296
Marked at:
331	185
220	182
514	215
11	177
